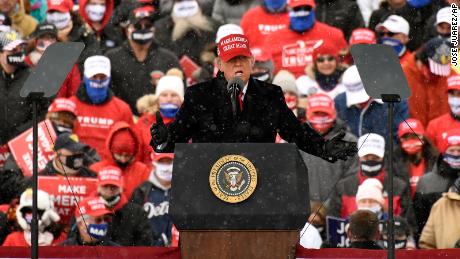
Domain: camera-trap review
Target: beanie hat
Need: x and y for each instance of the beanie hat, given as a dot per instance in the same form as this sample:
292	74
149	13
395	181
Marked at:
123	142
172	83
326	48
286	80
371	188
452	138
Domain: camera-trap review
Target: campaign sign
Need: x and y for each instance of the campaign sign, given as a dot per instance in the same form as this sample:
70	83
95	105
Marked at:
65	196
4	154
21	147
336	233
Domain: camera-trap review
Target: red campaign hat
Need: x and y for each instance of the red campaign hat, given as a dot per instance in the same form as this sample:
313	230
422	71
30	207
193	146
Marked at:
233	45
320	103
93	206
362	35
158	156
62	6
63	105
415	124
297	3
452	138
260	54
453	82
110	175
123	142
325	48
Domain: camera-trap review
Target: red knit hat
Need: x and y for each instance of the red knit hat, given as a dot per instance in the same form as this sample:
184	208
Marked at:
414	124
325	48
123	142
320	103
452	138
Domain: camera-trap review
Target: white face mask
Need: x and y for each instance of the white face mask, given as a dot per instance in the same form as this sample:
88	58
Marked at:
95	12
60	20
454	103
185	9
164	171
377	209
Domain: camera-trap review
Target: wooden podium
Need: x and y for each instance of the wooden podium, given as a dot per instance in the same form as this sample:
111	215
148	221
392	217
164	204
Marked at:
214	224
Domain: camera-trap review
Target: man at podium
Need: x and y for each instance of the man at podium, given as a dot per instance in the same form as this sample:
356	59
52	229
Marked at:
256	114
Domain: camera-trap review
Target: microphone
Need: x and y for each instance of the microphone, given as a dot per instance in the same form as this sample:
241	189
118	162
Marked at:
234	87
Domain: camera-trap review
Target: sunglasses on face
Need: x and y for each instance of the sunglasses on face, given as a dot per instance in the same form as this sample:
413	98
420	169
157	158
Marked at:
321	59
387	33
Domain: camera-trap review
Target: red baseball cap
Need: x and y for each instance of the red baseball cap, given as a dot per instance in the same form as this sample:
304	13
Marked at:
158	156
320	103
362	35
233	45
110	175
452	138
453	82
297	3
63	105
325	48
415	124
62	6
93	206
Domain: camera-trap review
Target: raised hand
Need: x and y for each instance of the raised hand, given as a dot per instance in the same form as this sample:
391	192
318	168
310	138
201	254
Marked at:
159	131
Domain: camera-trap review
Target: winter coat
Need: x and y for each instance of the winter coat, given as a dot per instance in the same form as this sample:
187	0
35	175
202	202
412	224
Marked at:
75	240
372	119
129	76
144	123
136	172
429	94
191	44
293	51
15	111
322	175
415	17
225	12
442	229
206	117
438	127
95	120
342	14
310	83
257	24
22	22
49	170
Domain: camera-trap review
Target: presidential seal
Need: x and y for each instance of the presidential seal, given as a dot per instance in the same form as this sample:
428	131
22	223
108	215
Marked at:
233	178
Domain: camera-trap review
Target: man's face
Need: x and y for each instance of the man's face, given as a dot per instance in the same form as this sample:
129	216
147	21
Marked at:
443	28
109	190
169	96
453	150
397	36
367	203
7	6
123	158
44	41
99	77
326	64
370	157
240	66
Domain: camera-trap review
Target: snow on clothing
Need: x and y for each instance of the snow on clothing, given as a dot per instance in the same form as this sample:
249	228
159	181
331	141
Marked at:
224	12
94	121
429	94
371	119
257	24
133	174
438	128
442	229
129	76
293	51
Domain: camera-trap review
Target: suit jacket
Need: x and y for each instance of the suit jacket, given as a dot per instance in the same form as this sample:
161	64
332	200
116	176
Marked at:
206	117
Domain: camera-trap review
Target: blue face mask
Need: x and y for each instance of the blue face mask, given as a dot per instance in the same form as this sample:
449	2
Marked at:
274	5
396	44
168	110
418	3
97	90
97	231
301	21
452	160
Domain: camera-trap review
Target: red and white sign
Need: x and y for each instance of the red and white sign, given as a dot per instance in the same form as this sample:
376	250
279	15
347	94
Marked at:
4	154
21	147
299	54
65	196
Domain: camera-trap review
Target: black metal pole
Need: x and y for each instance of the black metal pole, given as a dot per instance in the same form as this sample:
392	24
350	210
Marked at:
391	238
34	223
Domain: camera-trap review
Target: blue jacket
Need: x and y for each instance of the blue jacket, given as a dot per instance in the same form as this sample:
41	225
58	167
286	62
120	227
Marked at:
373	119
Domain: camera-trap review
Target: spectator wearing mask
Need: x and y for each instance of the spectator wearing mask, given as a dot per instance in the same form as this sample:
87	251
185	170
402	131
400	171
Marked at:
293	51
431	186
70	159
47	218
147	104
362	113
137	57
371	165
439	24
427	75
286	81
370	197
186	31
394	32
363	230
402	234
124	150
442	230
231	11
438	127
267	18
129	225
263	65
154	195
358	36
20	20
325	72
92	219
415	154
97	108
322	176
44	36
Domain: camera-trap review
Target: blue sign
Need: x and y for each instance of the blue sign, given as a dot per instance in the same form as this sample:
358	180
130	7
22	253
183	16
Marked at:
336	232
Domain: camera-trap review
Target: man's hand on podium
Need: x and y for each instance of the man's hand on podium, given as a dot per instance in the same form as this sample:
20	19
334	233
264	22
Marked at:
159	132
336	148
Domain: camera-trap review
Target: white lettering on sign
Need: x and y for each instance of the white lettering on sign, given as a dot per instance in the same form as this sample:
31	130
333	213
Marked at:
77	189
298	54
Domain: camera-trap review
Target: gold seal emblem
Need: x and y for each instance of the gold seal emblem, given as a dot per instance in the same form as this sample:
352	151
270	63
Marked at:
233	178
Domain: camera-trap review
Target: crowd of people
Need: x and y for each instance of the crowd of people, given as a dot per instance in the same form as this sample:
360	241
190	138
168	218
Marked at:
140	57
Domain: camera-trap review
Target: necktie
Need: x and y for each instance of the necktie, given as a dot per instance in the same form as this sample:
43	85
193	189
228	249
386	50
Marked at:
240	99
